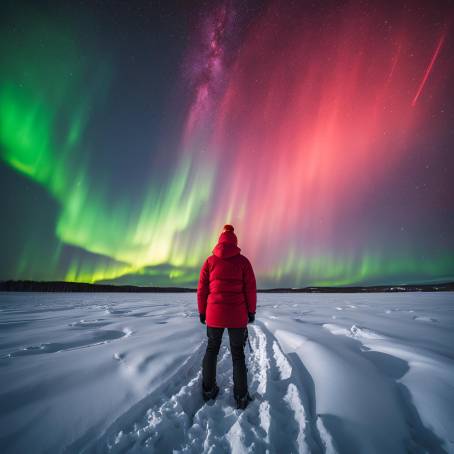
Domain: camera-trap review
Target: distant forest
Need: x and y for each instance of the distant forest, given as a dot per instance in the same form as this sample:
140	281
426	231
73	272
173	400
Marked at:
35	286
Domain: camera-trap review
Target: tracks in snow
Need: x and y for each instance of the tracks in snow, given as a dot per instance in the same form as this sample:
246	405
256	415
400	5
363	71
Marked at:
175	418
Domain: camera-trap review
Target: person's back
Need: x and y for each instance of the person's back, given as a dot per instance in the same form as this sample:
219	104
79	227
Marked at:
226	298
227	288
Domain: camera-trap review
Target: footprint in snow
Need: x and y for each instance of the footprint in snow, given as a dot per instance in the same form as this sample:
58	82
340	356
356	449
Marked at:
119	356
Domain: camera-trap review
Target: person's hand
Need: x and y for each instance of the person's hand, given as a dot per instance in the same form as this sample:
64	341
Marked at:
202	318
251	317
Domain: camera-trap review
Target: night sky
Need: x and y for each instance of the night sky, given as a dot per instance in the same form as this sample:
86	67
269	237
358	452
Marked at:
131	132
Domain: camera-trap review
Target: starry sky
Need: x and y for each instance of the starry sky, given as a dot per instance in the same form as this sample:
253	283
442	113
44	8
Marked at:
131	132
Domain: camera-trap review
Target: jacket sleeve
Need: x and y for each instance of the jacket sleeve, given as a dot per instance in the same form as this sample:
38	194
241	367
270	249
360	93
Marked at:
250	287
203	289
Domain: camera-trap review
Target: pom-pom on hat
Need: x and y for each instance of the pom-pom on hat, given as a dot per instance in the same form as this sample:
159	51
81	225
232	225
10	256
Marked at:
227	235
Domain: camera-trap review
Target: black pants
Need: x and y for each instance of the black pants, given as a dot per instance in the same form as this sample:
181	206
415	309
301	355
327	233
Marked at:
237	342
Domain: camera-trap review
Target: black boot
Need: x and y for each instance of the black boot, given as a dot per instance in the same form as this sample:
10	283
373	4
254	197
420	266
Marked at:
242	402
211	393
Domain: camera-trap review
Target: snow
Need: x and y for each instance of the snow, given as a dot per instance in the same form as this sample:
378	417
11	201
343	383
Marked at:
367	372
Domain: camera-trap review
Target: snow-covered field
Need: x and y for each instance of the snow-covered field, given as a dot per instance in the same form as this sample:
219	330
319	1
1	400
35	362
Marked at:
349	373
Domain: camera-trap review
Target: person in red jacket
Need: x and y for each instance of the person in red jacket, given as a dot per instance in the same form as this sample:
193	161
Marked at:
226	298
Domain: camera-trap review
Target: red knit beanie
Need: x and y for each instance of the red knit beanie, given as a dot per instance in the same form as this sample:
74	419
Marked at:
227	235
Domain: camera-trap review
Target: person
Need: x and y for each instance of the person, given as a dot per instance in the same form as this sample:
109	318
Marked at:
226	298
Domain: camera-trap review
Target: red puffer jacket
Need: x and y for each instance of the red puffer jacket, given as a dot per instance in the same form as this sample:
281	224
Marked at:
227	288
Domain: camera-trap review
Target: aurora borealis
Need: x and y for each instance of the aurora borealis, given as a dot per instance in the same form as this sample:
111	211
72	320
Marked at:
131	133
